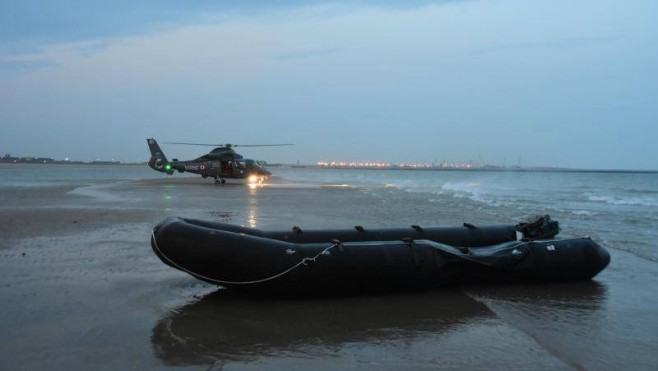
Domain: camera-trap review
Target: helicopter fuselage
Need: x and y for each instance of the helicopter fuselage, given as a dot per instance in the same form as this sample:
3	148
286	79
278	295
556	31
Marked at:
221	169
220	164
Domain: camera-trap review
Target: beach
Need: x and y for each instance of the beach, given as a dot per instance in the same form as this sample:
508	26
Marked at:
81	288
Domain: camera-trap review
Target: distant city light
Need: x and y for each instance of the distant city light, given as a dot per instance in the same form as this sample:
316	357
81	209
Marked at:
402	165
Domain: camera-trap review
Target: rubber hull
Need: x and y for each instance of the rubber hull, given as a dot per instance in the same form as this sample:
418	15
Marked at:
346	261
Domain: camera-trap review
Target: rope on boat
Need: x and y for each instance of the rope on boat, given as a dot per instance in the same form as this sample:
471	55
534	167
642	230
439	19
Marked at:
304	261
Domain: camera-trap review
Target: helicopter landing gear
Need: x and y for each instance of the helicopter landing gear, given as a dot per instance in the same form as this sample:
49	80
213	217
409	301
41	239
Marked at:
218	181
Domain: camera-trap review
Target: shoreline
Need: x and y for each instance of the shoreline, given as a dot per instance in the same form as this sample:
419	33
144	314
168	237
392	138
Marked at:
487	168
501	170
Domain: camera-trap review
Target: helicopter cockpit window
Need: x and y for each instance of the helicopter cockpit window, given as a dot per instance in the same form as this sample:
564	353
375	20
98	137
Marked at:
240	164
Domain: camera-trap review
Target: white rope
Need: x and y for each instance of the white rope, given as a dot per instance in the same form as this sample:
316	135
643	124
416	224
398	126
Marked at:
304	261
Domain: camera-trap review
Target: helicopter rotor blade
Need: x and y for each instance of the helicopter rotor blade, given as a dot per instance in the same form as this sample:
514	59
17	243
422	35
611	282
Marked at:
196	144
229	145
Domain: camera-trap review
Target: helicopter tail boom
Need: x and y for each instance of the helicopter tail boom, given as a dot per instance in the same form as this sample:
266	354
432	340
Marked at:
158	160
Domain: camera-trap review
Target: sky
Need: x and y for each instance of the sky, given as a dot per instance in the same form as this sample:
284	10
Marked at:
502	82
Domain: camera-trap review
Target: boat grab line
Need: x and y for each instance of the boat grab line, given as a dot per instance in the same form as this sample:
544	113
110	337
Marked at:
304	261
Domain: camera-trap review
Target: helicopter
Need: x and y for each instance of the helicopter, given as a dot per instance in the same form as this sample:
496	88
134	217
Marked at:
221	163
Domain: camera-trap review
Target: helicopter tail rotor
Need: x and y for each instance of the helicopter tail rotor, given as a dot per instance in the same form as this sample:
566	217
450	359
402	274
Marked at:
158	160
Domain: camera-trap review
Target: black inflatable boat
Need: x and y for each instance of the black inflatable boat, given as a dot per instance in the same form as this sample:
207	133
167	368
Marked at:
360	259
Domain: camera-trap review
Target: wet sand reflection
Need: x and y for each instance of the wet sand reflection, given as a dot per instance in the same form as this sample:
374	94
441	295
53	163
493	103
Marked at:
239	327
225	326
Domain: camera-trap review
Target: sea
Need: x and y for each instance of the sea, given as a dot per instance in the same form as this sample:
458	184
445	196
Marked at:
618	209
101	299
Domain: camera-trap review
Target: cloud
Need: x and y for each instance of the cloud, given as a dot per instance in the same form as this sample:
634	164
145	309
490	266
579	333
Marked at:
308	53
561	43
334	73
27	25
91	48
11	67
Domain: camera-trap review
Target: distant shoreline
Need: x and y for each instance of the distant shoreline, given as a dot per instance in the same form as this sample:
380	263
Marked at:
501	170
55	162
390	168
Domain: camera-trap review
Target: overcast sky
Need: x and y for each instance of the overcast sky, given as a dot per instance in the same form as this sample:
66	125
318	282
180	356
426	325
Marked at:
544	83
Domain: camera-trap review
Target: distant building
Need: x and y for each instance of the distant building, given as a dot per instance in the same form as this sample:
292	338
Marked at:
7	158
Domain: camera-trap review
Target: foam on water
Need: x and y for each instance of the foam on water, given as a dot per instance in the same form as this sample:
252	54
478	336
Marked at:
618	208
623	200
471	190
583	212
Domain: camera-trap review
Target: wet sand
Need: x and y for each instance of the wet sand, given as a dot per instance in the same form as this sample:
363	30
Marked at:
82	289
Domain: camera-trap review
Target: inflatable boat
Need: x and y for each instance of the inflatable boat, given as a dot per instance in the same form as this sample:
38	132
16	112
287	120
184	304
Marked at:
359	259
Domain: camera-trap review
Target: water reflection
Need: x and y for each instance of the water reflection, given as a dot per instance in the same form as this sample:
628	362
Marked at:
572	319
545	297
252	209
574	306
252	218
226	326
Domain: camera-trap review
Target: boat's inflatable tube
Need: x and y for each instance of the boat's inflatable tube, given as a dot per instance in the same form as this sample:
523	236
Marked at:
228	256
468	235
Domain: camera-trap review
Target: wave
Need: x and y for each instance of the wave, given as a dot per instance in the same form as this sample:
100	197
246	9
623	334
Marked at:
457	190
585	213
637	191
462	187
623	200
472	191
